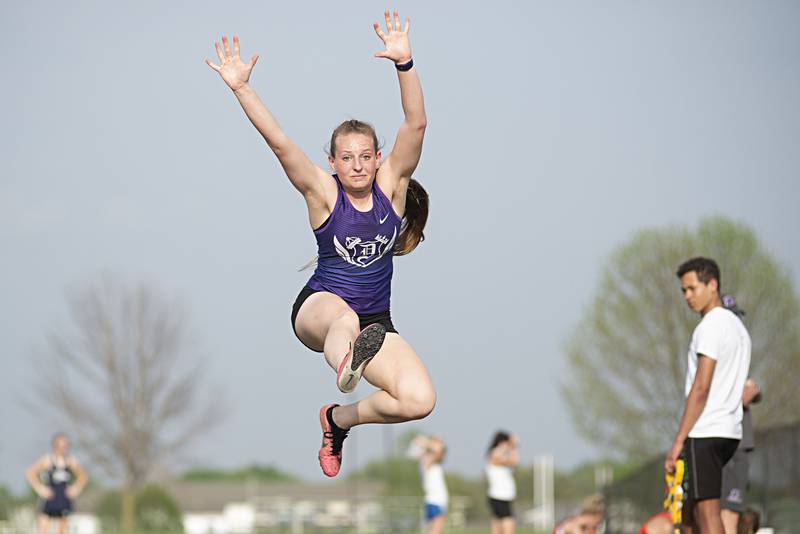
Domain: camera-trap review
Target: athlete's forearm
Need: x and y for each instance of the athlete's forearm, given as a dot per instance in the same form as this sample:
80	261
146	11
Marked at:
411	98
82	480
300	170
33	479
262	119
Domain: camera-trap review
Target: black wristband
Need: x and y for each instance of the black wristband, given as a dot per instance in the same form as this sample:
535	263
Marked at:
404	66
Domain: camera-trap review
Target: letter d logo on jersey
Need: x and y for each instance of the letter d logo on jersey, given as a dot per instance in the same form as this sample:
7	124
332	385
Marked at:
363	253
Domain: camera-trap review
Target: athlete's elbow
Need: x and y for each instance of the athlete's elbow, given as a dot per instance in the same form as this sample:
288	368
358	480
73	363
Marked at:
701	394
418	123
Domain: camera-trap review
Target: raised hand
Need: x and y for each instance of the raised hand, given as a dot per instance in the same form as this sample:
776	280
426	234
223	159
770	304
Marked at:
398	48
235	73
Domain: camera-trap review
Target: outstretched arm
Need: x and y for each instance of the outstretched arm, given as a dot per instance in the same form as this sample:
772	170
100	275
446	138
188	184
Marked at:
399	166
301	171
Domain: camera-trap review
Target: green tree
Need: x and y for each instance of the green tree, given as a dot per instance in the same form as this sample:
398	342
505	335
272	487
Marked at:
154	510
266	473
627	357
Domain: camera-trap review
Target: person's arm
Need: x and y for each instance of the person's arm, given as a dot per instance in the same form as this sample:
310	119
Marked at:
751	393
397	168
32	475
695	403
82	479
513	452
430	448
505	454
301	171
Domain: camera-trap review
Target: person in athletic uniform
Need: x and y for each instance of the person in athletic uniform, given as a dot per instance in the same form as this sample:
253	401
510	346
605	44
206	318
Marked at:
57	478
430	452
711	425
735	472
502	456
587	521
362	215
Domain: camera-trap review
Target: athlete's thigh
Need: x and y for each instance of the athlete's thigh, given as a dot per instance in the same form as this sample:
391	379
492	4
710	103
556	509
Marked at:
397	369
316	314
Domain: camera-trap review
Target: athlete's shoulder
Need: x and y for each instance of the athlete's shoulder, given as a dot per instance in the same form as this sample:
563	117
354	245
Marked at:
716	319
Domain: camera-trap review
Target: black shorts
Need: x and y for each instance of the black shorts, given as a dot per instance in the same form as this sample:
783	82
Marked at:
60	506
382	318
705	458
734	482
500	509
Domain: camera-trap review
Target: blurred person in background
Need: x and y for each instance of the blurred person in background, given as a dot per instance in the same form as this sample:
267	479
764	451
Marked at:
749	522
502	457
430	452
58	479
711	426
734	474
587	521
661	523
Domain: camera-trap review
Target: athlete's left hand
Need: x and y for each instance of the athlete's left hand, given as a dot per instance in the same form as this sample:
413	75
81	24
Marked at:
672	457
73	492
398	48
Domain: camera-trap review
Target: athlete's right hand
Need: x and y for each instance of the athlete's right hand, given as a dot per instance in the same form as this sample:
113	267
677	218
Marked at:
235	73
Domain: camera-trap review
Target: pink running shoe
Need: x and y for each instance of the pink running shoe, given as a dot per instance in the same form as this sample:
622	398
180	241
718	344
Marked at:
364	348
330	454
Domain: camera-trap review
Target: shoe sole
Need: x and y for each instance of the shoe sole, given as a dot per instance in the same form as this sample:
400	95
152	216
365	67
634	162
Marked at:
365	347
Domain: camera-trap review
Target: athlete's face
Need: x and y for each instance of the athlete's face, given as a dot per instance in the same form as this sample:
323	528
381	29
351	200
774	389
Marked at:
699	295
356	161
60	445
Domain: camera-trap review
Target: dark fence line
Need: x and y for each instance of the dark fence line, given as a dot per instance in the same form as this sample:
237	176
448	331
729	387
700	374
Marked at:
774	488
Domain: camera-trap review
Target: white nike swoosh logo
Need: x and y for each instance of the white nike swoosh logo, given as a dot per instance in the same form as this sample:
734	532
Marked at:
384	219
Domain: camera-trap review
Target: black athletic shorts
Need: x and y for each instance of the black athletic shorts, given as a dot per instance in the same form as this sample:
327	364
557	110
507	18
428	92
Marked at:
500	509
58	506
705	458
734	482
382	318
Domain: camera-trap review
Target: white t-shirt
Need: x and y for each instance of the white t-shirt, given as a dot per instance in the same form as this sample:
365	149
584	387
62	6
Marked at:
722	337
434	486
501	482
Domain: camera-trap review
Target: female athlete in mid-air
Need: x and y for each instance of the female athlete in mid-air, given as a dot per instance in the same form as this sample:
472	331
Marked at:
368	210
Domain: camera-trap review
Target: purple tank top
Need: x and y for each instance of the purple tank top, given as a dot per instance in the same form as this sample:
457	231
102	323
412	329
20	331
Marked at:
355	251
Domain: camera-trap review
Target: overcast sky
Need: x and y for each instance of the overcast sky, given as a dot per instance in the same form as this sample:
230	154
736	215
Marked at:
556	131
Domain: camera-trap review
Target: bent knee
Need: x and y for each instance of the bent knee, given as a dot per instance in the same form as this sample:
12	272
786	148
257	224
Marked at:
418	404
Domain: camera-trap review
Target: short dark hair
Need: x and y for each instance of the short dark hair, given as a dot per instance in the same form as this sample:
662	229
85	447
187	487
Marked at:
705	268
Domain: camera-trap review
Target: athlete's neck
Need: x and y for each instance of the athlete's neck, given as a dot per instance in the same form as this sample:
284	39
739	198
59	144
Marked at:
716	302
361	200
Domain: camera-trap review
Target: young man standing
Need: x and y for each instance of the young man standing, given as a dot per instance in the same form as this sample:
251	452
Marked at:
711	426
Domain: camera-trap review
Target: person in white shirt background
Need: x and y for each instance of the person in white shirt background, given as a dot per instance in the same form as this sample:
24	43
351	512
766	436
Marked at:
430	451
503	455
711	425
